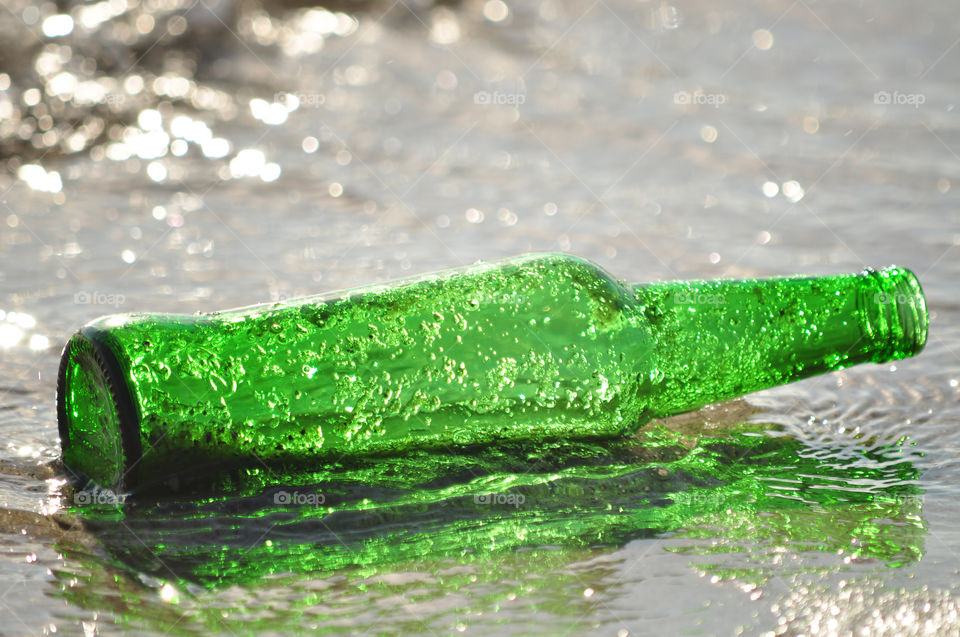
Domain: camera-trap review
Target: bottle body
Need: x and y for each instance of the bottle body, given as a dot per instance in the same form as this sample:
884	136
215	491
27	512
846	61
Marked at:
542	346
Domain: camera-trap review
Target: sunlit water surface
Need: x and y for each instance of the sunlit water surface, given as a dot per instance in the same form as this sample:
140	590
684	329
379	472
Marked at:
177	156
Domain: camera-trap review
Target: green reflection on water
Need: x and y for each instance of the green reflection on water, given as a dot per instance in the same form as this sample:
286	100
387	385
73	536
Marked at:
494	522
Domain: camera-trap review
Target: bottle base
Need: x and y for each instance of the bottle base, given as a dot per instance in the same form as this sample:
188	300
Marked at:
96	416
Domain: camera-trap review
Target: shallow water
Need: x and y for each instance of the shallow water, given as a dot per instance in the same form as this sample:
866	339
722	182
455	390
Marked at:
698	140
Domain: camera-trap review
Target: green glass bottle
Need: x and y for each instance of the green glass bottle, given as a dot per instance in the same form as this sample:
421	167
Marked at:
544	346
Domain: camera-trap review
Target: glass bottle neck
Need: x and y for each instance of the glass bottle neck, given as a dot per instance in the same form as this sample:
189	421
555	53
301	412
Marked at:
720	339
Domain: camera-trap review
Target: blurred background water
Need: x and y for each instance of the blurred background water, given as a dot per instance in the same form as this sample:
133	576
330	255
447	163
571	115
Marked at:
180	155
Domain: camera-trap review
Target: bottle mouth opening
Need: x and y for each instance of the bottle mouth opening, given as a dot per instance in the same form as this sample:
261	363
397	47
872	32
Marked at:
96	417
900	313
